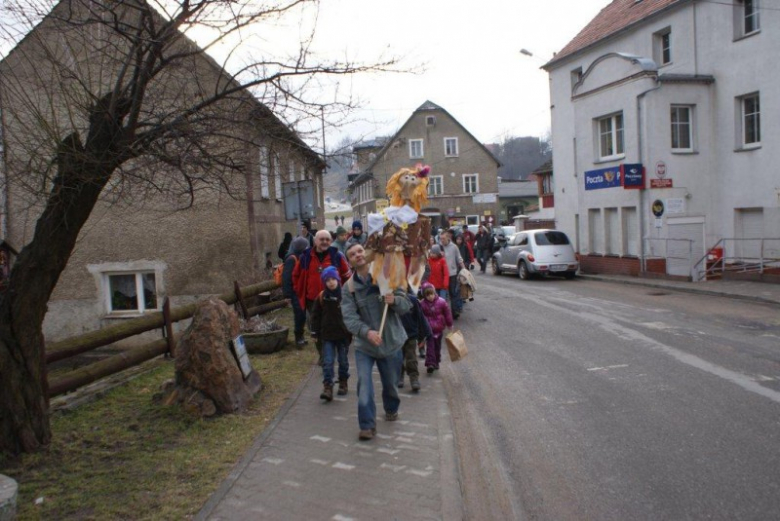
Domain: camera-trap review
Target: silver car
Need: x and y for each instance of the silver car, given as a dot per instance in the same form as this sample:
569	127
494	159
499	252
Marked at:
536	252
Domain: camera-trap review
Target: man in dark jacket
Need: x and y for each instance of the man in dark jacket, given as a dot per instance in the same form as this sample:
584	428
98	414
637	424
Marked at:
484	247
297	247
417	331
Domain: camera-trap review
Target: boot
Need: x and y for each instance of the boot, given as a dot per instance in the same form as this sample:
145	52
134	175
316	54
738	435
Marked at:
327	393
415	381
300	341
342	387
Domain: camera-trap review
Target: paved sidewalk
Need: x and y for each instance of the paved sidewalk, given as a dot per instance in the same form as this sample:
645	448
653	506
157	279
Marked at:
309	463
764	292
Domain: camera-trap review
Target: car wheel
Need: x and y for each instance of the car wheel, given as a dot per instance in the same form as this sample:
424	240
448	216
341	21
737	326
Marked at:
494	265
570	275
522	271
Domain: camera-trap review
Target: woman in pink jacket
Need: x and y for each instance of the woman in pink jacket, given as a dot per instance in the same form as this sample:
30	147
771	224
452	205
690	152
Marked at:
439	317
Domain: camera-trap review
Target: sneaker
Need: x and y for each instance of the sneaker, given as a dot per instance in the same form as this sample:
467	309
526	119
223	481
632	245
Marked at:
327	393
391	416
342	388
366	434
401	383
415	385
430	370
422	353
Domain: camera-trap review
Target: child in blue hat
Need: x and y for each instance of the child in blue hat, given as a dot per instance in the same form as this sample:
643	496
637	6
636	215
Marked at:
327	324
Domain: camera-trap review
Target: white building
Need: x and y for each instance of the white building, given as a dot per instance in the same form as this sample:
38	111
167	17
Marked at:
688	89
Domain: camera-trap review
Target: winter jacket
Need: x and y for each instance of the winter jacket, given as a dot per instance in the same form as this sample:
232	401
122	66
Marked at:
465	253
306	275
440	274
484	241
288	290
327	322
362	309
415	323
453	258
357	240
437	313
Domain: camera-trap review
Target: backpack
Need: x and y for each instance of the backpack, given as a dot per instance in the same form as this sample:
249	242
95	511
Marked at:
278	269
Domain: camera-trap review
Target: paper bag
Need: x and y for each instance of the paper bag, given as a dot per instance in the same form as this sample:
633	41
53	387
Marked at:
456	345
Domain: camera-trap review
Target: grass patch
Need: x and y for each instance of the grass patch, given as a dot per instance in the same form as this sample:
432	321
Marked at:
125	457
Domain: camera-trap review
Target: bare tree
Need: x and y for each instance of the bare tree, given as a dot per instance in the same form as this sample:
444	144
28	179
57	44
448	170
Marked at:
103	92
522	155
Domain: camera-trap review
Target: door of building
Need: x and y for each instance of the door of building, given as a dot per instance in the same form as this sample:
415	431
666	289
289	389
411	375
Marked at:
685	247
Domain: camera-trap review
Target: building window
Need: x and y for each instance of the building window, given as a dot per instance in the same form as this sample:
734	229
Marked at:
291	171
435	185
263	173
750	16
576	76
610	131
750	120
611	232
131	292
472	220
662	47
470	183
276	168
430	121
595	231
415	148
547	184
682	128
451	146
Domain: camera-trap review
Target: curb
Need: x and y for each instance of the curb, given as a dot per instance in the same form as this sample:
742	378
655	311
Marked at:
249	455
684	289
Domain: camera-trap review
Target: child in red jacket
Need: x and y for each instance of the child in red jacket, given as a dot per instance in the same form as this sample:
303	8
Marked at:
440	274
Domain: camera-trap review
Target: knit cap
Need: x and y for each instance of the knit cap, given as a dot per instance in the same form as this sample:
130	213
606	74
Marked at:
340	230
298	245
435	249
330	273
357	224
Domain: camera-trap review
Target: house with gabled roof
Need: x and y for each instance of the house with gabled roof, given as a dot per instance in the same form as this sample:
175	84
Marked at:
141	244
463	185
663	125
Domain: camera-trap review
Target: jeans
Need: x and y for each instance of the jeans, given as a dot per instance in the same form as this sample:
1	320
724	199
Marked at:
330	350
299	316
483	256
445	294
457	302
388	373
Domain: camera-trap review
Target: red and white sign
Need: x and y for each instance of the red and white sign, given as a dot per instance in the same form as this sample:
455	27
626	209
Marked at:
660	169
660	183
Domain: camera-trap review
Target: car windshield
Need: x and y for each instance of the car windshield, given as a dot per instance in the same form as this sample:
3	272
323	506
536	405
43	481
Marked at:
551	238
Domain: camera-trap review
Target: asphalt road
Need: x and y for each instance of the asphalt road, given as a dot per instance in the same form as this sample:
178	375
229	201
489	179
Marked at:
585	400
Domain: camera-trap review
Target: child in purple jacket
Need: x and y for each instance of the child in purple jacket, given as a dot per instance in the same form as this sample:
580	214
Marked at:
439	317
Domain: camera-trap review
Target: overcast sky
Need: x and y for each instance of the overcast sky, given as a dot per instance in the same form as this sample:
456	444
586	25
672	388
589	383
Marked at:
473	67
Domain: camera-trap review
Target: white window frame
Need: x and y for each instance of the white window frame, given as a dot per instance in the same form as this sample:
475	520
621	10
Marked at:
433	182
276	170
748	120
413	142
475	177
291	171
263	157
139	292
447	151
750	16
616	135
662	44
678	127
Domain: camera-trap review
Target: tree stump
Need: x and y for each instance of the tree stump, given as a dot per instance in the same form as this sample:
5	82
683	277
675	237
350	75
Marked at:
208	379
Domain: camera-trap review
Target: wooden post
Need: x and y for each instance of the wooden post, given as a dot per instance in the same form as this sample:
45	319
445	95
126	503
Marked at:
240	300
384	316
168	328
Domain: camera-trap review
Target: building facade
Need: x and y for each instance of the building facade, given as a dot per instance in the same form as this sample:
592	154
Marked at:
151	235
663	124
463	185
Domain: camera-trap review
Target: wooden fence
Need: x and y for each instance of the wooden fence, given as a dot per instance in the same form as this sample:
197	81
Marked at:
164	320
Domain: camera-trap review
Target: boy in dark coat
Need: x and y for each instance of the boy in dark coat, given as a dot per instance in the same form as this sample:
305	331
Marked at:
417	331
327	324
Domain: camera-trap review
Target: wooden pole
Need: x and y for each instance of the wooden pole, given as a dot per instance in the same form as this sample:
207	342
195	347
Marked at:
384	316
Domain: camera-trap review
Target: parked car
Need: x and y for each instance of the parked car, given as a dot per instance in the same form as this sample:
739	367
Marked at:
502	235
536	252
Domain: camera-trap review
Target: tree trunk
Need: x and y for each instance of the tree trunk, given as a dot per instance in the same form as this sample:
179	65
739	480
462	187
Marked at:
81	176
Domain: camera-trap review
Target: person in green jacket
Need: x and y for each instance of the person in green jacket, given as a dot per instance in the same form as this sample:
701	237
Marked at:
362	307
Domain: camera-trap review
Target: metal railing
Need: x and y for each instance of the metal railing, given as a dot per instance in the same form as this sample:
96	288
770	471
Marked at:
738	256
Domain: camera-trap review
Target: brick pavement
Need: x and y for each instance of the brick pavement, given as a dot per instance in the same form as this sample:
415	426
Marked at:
309	463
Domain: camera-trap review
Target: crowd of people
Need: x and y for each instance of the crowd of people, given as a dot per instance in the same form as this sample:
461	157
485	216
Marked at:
326	279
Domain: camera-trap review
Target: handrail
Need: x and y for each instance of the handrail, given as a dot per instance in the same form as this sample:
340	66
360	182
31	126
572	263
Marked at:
741	262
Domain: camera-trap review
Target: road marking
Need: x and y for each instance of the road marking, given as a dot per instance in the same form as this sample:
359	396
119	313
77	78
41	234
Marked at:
273	461
392	452
320	462
342	466
323	439
339	517
607	368
394	468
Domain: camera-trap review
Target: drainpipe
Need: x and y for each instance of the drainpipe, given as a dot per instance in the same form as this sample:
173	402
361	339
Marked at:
639	98
3	178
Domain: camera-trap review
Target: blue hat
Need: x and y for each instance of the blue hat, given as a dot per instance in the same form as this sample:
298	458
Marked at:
357	224
330	273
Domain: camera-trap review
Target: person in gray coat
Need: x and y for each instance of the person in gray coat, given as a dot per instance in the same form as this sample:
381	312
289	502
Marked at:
362	307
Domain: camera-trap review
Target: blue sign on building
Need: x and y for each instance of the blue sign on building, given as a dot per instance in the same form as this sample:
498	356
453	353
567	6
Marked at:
602	178
633	175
